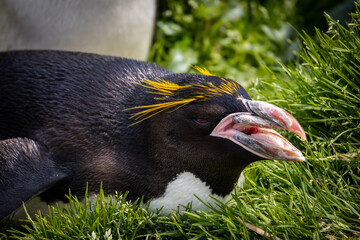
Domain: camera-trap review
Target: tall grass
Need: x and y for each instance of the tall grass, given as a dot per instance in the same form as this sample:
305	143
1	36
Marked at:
323	88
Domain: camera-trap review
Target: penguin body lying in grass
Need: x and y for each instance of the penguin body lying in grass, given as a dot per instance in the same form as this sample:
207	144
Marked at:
69	118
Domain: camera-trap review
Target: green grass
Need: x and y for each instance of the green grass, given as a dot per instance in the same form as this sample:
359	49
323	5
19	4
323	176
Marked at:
318	199
234	39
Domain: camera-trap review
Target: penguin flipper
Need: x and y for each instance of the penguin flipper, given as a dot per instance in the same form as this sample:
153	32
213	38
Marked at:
26	169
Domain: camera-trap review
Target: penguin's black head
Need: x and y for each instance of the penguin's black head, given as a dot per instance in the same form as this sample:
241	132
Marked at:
209	125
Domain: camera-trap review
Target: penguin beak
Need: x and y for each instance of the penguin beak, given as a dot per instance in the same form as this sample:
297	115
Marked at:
253	130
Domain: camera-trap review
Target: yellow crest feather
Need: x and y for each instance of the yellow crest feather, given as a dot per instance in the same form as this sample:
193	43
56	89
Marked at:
202	70
160	87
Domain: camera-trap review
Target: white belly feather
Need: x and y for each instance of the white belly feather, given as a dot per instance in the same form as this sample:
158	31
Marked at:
182	191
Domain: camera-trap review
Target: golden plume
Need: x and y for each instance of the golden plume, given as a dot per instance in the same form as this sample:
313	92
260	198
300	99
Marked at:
167	92
202	70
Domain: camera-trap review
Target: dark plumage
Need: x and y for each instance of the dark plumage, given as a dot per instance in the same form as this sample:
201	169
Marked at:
71	118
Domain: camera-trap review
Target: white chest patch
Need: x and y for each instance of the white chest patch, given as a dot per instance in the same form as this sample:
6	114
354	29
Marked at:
182	190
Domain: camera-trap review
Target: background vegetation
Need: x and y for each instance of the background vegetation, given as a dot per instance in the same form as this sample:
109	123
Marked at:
314	74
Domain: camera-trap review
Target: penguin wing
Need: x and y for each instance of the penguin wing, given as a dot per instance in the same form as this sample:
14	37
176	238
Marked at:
26	169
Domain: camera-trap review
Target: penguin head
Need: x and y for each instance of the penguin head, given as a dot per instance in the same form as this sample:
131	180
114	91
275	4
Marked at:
200	121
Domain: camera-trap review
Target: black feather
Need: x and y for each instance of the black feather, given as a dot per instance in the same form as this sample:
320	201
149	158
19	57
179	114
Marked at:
72	106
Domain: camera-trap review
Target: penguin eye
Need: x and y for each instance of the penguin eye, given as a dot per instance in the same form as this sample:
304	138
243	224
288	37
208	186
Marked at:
201	121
